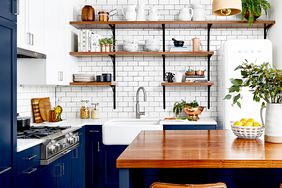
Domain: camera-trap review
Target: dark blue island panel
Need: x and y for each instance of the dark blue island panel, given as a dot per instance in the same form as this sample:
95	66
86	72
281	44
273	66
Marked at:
8	10
190	127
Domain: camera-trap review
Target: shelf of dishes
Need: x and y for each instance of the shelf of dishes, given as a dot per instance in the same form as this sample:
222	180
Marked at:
104	79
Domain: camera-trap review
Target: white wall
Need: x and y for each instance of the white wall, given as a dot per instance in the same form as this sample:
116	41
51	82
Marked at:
133	72
275	33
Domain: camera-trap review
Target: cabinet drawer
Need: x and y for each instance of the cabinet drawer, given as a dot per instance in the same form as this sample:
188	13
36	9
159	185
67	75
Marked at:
28	160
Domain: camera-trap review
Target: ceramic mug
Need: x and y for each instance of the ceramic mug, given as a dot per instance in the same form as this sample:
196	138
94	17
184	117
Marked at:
179	77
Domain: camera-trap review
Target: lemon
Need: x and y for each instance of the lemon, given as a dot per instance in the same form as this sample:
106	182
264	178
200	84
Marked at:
237	123
243	119
248	124
251	120
256	124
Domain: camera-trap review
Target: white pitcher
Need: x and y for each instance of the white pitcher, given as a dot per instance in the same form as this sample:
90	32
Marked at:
129	13
186	14
141	12
273	122
153	14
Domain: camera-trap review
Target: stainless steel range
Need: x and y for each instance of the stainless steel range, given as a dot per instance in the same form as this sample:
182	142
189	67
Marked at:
57	141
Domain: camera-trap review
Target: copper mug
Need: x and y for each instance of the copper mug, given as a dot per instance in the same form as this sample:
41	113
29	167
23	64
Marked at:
197	45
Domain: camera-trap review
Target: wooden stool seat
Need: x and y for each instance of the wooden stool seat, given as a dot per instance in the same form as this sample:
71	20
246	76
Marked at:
169	185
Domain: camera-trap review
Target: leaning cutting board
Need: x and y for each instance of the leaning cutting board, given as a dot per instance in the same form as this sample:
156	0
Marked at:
44	108
37	118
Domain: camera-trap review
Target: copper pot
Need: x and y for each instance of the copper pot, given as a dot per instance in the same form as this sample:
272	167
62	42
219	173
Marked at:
103	16
88	13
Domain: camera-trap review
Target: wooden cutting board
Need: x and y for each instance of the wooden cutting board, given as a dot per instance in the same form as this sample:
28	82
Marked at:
44	108
37	118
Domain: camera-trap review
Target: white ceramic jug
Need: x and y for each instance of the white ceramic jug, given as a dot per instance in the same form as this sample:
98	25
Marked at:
153	14
199	12
141	12
186	14
272	123
129	13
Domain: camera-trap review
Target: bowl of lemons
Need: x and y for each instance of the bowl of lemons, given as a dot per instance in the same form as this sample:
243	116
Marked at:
247	128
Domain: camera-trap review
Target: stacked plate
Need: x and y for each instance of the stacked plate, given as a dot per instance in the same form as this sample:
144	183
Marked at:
83	77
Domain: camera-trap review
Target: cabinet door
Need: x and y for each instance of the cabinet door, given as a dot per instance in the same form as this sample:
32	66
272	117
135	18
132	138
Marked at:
7	97
27	178
35	24
110	175
47	176
22	33
64	176
78	163
93	144
8	9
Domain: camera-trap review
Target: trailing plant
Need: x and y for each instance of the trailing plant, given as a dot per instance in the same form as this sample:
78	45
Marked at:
253	9
264	82
179	106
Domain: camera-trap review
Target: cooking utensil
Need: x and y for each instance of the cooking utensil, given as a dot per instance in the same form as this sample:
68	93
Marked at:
88	13
44	108
23	123
178	43
103	16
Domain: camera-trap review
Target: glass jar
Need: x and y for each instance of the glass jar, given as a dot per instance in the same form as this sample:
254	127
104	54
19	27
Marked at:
84	110
103	16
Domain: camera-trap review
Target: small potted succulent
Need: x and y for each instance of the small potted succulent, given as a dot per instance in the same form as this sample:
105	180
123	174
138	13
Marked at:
251	9
106	44
265	83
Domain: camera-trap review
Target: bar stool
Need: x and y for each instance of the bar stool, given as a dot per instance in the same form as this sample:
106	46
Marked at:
169	185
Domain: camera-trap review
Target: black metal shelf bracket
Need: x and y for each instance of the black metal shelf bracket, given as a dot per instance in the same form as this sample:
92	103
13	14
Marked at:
209	36
113	58
114	95
266	29
164	71
209	63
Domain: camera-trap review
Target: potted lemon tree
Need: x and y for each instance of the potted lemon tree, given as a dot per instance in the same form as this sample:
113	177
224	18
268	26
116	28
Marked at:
265	83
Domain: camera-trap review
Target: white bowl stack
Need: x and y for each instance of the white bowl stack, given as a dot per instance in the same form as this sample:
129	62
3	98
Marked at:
83	77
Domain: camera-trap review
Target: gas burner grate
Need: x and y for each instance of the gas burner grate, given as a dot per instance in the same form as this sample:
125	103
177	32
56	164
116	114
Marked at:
38	133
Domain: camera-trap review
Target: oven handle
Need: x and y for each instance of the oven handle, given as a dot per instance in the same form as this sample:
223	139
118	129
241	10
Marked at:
59	155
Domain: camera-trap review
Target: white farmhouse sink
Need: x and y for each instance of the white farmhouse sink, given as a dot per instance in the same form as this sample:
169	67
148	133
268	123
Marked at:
123	131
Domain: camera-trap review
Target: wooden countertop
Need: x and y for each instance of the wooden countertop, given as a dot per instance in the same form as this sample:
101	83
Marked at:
199	149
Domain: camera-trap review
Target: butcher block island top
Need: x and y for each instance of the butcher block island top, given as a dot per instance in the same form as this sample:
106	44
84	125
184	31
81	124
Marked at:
198	149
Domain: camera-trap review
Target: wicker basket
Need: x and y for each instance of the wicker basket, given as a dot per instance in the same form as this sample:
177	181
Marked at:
247	132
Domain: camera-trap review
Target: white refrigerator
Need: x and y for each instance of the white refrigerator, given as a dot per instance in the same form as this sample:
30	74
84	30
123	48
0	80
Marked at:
232	54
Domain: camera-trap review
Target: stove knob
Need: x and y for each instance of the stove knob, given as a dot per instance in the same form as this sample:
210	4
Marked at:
58	146
52	149
70	140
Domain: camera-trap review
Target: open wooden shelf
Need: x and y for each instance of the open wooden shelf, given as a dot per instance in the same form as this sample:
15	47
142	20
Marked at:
169	24
187	84
93	83
122	53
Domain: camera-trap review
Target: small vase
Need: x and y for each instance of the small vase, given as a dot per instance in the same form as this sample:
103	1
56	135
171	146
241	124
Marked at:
103	48
108	48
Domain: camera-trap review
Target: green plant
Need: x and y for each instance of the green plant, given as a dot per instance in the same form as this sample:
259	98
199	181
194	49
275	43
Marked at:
109	41
103	41
253	9
263	81
179	106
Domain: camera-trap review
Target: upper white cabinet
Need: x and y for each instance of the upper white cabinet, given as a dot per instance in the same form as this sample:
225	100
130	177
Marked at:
31	28
58	67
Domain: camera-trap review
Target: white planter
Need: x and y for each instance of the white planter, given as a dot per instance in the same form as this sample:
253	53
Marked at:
273	123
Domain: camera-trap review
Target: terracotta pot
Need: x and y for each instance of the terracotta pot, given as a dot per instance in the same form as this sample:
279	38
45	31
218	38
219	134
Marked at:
246	15
88	13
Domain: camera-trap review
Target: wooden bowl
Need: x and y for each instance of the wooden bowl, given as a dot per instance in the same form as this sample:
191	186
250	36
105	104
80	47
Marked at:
191	73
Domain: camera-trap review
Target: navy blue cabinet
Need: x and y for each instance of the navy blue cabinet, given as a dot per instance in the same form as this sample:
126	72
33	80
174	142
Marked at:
8	9
93	156
190	127
110	175
7	98
27	167
56	174
78	163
